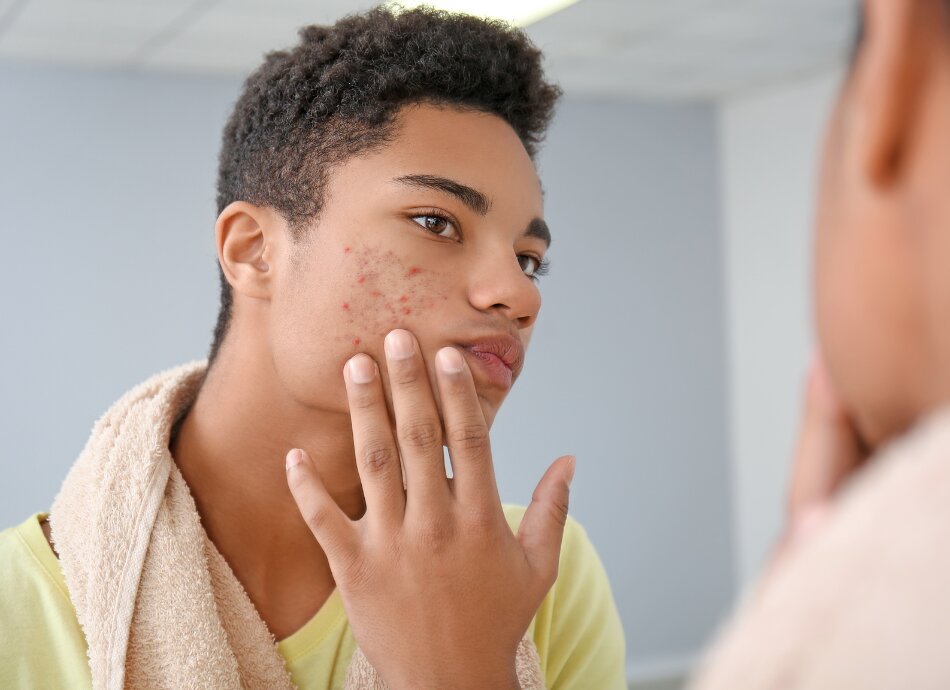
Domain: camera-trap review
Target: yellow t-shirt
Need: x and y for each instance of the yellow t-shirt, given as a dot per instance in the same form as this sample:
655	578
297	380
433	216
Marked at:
576	630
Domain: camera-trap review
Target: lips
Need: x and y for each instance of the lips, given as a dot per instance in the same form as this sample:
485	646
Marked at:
498	359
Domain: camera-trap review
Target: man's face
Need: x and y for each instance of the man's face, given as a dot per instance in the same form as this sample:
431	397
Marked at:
438	232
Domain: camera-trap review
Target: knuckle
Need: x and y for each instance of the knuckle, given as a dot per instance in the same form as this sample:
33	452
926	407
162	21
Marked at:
562	506
377	458
355	574
318	518
434	534
469	436
557	508
423	434
479	520
405	372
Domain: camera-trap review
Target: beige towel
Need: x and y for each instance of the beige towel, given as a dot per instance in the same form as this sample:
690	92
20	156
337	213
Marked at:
863	604
158	604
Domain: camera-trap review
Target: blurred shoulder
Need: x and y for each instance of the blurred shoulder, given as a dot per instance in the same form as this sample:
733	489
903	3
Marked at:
869	584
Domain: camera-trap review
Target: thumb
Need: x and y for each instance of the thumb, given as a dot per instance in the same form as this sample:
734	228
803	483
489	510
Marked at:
542	526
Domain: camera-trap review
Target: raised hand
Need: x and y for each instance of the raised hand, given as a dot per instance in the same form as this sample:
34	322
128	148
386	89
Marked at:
437	589
828	454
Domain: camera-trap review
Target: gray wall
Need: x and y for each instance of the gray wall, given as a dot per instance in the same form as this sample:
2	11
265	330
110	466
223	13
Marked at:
626	366
106	189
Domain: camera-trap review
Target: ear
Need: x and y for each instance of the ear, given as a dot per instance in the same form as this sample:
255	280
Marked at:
245	235
888	80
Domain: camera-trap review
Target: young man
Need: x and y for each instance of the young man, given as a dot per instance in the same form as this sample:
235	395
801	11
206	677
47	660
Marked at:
857	598
376	182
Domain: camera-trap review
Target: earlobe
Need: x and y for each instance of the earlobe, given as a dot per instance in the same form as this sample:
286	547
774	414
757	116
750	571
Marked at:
242	235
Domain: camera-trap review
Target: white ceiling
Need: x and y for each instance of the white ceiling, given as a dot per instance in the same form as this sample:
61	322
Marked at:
669	49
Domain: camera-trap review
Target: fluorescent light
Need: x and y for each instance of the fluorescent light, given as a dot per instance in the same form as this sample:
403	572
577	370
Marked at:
518	12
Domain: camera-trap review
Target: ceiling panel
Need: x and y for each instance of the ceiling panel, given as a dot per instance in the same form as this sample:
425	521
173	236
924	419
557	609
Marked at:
233	35
681	49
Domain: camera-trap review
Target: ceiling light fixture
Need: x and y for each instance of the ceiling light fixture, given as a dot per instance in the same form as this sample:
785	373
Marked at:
517	12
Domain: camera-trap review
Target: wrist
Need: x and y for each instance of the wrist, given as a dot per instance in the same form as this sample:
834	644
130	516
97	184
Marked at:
463	678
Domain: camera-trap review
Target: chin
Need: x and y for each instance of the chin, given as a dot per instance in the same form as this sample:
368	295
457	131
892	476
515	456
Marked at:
877	428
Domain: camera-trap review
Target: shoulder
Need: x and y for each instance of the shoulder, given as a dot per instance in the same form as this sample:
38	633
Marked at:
871	584
20	552
41	642
577	628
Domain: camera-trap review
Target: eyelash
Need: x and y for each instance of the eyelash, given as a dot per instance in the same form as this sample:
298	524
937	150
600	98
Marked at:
544	265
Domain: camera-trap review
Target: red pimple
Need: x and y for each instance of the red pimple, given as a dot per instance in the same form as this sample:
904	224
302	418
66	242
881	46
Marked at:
346	306
376	293
361	280
414	271
403	299
407	310
356	341
347	250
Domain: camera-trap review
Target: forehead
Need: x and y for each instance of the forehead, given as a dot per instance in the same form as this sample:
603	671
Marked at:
476	148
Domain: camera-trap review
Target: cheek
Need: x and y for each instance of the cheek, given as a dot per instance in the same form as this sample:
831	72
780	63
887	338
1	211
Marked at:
342	307
308	364
869	321
381	292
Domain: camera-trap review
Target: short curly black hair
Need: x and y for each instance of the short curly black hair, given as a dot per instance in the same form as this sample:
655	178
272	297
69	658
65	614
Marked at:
337	92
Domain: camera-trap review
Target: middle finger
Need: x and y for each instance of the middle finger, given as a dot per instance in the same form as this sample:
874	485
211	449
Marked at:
418	425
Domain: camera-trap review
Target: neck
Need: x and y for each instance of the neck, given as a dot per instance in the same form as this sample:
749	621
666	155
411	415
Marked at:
230	448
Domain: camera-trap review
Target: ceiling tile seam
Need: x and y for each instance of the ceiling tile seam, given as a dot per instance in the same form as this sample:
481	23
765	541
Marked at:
11	15
170	31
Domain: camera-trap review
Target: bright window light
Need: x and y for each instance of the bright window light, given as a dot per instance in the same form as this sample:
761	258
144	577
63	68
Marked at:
518	12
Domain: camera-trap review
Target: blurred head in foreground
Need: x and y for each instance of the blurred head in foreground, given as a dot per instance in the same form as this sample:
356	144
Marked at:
882	267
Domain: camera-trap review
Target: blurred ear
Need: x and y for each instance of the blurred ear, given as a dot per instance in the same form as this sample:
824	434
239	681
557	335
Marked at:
887	81
243	234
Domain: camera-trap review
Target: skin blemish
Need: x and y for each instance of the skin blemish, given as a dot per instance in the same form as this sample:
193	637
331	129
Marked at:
347	250
361	279
407	310
356	341
404	299
414	271
346	306
376	293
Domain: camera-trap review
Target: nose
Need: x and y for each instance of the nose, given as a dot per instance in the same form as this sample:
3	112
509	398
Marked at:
499	283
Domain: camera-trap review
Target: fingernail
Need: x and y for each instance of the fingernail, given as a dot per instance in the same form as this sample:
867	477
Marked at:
449	360
398	345
571	468
362	369
294	458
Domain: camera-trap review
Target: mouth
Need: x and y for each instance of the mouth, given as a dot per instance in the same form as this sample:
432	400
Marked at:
497	360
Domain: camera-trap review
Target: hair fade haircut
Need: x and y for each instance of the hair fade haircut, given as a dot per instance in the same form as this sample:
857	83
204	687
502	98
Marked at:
337	92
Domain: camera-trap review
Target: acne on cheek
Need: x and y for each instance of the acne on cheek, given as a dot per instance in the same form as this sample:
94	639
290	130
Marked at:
384	292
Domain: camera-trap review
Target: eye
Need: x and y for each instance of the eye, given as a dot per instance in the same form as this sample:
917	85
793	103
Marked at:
532	266
437	224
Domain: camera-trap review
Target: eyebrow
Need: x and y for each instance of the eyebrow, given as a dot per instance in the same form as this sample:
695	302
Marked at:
538	228
471	197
